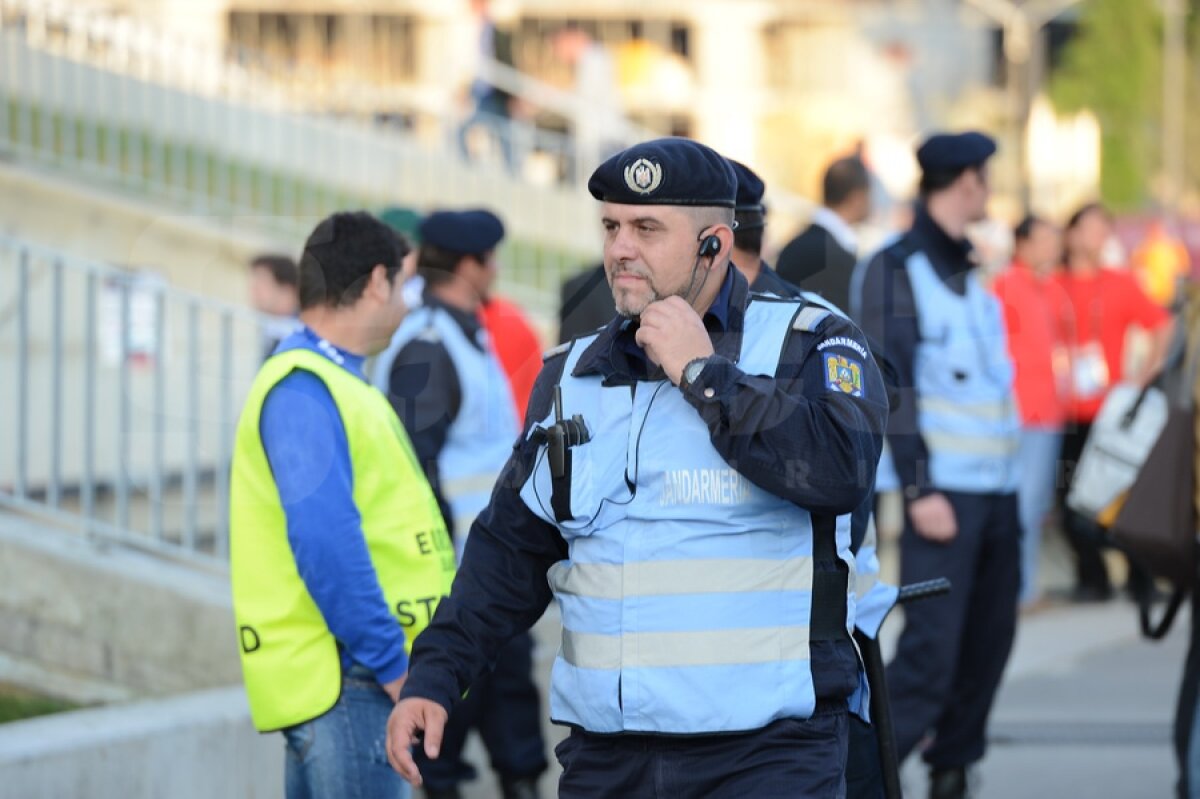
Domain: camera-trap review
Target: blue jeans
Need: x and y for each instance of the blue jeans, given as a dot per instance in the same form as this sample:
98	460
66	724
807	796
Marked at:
1038	458
343	754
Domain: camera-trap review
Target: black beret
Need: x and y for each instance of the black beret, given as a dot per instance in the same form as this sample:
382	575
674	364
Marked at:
468	232
750	188
671	171
946	152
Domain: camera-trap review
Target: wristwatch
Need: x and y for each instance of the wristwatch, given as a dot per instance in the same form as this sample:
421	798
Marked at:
692	371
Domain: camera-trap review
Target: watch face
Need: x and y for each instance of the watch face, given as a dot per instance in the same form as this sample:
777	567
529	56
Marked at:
693	370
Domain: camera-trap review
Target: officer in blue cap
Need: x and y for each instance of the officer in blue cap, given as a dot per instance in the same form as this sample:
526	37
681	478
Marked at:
953	437
864	778
750	213
682	487
442	376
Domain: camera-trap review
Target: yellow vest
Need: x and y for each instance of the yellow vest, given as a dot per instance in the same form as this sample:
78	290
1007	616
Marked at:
290	659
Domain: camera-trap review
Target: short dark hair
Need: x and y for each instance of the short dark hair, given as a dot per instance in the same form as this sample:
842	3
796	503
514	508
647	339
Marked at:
437	264
340	255
749	239
1024	229
1083	211
844	177
935	180
282	268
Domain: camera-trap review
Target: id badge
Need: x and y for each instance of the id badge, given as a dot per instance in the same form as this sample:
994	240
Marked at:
1089	371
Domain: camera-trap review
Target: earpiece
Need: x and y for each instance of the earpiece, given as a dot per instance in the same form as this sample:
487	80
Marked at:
710	246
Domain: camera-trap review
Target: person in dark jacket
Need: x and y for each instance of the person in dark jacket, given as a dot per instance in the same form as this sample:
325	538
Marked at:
585	304
953	435
750	214
822	258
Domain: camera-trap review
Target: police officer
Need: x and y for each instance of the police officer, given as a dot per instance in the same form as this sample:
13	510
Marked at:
864	778
446	383
338	552
750	213
682	488
953	436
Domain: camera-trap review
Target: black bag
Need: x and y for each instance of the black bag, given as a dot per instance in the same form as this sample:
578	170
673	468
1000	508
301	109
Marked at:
1156	525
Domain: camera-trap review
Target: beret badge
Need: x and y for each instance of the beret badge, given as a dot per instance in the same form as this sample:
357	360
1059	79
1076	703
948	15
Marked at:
643	176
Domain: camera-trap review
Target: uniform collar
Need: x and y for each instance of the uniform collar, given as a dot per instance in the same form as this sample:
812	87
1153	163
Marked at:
616	356
768	281
948	254
468	321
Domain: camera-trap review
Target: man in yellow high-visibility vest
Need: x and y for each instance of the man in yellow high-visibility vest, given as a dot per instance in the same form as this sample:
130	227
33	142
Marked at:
339	552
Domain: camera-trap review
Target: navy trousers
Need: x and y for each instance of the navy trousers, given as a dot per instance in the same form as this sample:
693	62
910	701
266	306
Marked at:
789	759
953	649
504	705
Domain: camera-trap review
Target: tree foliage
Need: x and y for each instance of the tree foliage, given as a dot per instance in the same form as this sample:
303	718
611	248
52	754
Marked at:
1113	67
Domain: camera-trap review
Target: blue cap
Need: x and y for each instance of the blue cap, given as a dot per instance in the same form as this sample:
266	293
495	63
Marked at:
672	171
750	189
947	152
469	232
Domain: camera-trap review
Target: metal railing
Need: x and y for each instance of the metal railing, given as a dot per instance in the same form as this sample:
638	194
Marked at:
118	400
430	117
264	169
142	50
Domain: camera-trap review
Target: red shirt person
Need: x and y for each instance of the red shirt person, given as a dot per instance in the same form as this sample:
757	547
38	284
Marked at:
516	345
1104	304
1035	315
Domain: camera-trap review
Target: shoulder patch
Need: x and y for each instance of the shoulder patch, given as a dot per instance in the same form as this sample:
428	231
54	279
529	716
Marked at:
810	318
845	342
843	375
561	349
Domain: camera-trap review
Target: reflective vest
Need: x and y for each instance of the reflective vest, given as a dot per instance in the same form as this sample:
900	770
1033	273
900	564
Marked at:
290	660
480	439
874	599
687	592
964	381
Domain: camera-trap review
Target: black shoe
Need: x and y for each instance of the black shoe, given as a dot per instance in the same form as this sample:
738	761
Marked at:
948	783
442	793
520	788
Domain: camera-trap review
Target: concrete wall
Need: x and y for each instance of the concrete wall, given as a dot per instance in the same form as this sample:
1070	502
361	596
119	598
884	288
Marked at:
204	253
111	622
197	746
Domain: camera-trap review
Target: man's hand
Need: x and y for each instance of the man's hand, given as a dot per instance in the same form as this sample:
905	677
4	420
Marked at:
673	335
408	718
933	518
393	688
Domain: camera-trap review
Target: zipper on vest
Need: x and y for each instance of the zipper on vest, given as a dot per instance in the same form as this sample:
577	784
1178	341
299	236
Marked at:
629	483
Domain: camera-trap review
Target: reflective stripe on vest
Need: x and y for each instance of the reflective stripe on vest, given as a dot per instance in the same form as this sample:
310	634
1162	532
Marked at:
480	439
964	380
689	583
874	598
290	659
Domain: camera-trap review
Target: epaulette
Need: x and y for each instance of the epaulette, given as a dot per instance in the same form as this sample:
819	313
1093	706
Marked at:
561	349
810	318
429	335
